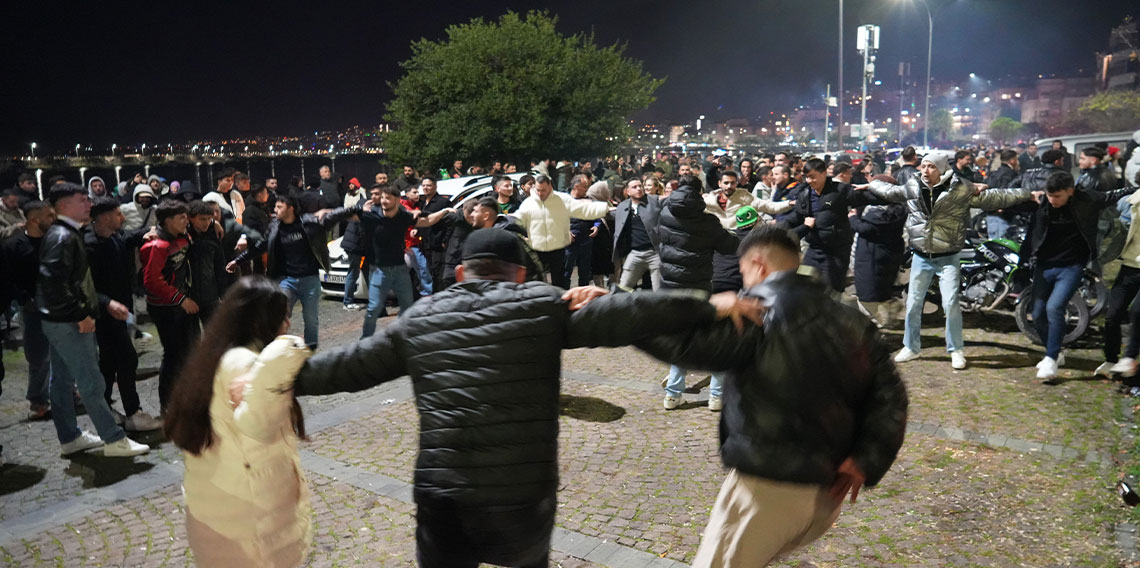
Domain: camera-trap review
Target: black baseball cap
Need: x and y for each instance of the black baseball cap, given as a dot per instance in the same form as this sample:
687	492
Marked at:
495	244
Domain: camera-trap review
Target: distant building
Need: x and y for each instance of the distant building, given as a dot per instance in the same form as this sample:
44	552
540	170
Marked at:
1055	98
1120	67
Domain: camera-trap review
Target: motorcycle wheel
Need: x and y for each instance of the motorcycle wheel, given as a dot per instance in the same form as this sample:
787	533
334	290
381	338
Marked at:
1095	294
978	225
1076	319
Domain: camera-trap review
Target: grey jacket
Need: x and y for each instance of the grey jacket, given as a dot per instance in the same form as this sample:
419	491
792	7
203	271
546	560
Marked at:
937	217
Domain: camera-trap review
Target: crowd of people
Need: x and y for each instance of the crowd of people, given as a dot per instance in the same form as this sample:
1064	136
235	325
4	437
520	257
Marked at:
484	293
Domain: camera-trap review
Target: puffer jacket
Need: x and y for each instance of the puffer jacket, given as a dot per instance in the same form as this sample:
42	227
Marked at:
11	222
689	236
548	222
485	365
1034	180
137	217
812	387
65	291
252	468
937	217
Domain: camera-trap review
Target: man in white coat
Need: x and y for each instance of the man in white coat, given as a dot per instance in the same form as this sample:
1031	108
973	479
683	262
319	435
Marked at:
546	217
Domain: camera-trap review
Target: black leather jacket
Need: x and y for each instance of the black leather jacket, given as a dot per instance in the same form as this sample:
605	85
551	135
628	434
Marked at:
316	231
65	291
1086	207
812	387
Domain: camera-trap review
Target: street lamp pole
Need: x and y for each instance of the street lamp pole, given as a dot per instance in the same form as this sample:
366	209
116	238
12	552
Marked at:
842	96
929	50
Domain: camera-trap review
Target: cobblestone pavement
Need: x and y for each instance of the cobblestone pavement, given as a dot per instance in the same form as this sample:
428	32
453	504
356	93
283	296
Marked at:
997	470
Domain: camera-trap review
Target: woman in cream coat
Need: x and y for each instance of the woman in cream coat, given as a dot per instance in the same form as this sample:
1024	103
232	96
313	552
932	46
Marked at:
234	415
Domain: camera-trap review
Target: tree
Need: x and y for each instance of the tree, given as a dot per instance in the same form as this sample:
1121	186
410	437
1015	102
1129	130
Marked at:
1004	128
941	123
1110	111
515	89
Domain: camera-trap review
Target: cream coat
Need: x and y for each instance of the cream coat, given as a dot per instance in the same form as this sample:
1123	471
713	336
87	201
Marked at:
247	501
548	222
738	199
238	209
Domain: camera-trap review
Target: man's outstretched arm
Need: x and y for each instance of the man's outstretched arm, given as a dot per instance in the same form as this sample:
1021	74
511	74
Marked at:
354	367
716	346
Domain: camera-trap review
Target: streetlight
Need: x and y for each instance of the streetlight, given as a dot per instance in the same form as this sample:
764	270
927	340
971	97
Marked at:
142	152
33	150
77	150
929	50
113	146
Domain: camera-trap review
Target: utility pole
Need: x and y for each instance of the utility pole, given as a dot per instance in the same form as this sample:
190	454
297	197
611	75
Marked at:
842	95
904	69
826	115
868	44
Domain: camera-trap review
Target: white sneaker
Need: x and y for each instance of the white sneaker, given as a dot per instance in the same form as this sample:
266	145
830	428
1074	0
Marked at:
125	447
1047	369
85	441
905	355
1060	362
673	401
958	360
1104	369
142	422
1126	367
715	403
144	338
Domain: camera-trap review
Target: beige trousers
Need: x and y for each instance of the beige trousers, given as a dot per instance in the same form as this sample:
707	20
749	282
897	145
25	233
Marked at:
756	520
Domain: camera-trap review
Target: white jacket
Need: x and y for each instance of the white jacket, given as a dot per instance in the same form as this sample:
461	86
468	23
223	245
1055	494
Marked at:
247	501
238	209
548	222
738	199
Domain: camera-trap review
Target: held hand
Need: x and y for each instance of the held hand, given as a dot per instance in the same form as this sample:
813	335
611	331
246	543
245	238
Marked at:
189	306
593	232
979	188
582	295
861	187
86	325
849	478
237	390
320	215
242	244
151	234
1037	195
809	222
232	266
851	213
367	206
118	311
732	306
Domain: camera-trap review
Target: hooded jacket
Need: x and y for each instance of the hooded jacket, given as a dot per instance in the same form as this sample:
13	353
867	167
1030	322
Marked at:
937	216
484	362
811	387
136	216
11	222
238	208
688	237
91	192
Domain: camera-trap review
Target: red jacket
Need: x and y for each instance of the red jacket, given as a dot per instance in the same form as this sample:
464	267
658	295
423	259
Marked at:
412	238
166	269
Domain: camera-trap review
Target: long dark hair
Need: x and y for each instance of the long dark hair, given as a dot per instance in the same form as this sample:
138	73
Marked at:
251	313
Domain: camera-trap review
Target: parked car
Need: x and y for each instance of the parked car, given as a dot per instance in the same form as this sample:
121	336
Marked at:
456	190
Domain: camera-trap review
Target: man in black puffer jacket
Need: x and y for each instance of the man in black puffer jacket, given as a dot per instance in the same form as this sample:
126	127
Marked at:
688	238
813	408
484	357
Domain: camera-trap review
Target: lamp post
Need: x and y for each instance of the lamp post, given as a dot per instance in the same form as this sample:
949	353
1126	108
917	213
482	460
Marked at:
113	146
77	150
33	150
929	50
842	94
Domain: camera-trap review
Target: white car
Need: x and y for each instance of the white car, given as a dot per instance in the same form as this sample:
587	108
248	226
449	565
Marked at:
457	190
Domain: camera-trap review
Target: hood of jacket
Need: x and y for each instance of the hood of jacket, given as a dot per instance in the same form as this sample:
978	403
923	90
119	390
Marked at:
106	190
685	202
142	189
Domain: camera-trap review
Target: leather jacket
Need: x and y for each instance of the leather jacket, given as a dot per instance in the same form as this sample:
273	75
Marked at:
937	216
316	232
65	291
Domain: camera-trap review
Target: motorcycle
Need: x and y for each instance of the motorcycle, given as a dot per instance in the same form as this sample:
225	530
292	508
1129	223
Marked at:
993	281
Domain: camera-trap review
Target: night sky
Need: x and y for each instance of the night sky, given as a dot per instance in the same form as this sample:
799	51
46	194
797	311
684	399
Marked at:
169	72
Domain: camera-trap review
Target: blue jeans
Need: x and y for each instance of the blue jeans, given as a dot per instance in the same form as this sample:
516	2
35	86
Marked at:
350	279
1052	290
580	254
675	382
996	226
421	266
36	353
75	365
308	290
922	271
385	278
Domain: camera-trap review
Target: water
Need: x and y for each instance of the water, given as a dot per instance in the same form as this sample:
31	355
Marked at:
361	166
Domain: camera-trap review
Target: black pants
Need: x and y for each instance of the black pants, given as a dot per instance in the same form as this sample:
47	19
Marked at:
554	263
504	537
832	268
436	264
118	361
205	311
178	331
1124	292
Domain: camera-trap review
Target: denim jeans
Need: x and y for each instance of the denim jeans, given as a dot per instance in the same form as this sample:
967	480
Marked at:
350	279
308	290
420	264
922	271
36	353
75	365
1052	290
675	382
996	226
580	255
636	264
385	278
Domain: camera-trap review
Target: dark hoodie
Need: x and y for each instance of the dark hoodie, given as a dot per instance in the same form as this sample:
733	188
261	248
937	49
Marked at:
688	238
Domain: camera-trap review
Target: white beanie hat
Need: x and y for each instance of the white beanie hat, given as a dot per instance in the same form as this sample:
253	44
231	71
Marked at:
941	160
